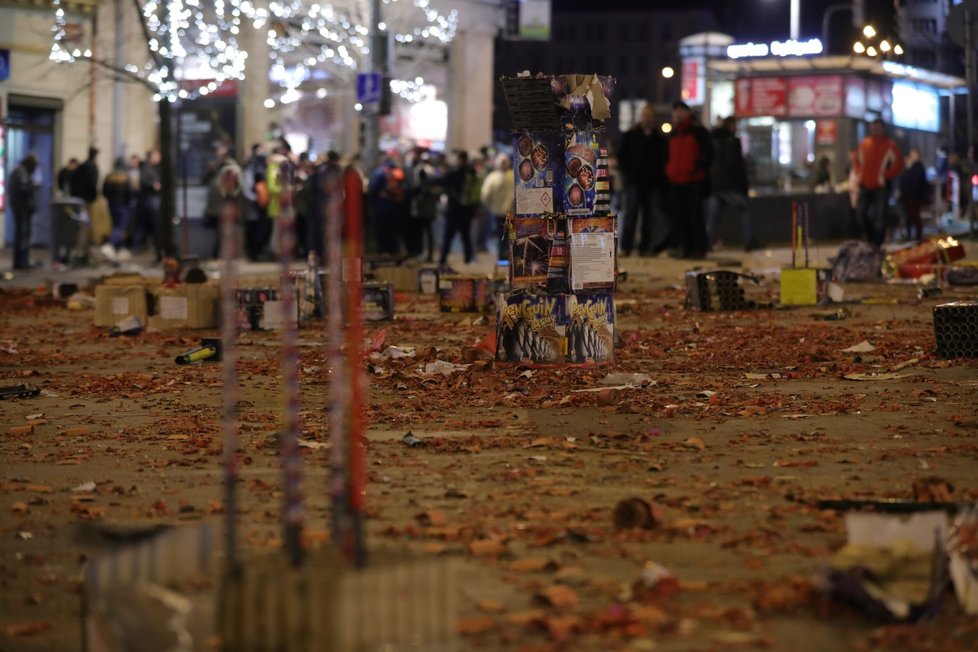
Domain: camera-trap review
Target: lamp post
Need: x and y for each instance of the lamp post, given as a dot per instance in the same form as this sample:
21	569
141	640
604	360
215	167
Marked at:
795	20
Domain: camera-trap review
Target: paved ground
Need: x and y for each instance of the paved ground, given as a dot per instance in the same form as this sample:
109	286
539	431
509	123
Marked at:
520	474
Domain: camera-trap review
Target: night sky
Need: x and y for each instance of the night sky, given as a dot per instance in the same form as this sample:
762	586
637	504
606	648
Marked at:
761	20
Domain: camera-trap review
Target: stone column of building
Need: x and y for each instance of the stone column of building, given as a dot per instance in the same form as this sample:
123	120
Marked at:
253	117
470	77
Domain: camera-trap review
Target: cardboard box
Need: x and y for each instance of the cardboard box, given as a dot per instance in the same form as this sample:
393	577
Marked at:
428	281
262	309
591	328
593	254
583	150
532	327
558	101
184	306
903	263
378	302
539	254
461	293
538	166
113	303
803	286
403	278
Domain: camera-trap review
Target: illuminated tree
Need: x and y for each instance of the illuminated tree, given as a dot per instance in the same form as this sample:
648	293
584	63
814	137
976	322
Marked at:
191	48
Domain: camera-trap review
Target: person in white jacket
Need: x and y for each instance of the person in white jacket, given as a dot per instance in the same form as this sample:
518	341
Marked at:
498	192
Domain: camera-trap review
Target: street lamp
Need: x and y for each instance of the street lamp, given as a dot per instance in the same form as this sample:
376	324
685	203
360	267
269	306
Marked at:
668	72
858	47
869	31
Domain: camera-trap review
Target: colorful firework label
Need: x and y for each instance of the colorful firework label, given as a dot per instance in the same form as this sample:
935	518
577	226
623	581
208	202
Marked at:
460	293
582	153
531	244
532	327
591	331
538	162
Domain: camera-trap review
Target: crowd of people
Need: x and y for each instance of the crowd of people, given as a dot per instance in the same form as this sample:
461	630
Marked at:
671	187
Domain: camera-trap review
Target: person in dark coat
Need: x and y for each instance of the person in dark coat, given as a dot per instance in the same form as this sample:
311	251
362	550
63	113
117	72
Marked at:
458	217
84	180
914	192
690	156
641	161
117	191
728	183
64	176
148	203
23	202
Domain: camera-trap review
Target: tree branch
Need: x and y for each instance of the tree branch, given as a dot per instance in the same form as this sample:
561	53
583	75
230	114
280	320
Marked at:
131	76
155	56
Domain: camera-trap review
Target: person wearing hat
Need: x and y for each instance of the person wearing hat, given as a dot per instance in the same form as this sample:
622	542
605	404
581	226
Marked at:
23	202
690	155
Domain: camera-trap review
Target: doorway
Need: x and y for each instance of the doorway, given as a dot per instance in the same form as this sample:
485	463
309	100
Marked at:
30	130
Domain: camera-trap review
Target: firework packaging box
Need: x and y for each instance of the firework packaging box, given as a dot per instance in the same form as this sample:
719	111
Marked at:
184	306
591	328
584	100
403	277
593	254
463	293
585	173
539	254
804	286
538	165
532	327
261	308
378	302
113	303
904	263
428	280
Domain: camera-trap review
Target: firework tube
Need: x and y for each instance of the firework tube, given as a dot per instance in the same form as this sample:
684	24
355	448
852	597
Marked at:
209	349
292	516
794	233
229	372
353	186
339	383
808	227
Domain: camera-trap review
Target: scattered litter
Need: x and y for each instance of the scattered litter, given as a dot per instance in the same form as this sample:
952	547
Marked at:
862	347
442	367
761	376
609	396
84	488
962	547
397	352
695	442
20	431
209	351
874	376
836	293
706	393
891	567
634	513
19	391
929	292
904	365
526	374
621	380
598	390
129	326
411	441
24	535
8	346
833	315
34	417
78	431
933	490
313	445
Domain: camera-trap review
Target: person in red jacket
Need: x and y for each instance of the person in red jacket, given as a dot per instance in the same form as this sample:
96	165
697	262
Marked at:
879	162
690	155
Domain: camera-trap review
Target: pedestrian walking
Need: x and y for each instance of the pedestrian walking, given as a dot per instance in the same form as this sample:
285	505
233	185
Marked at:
117	190
388	197
498	194
914	193
879	162
224	184
690	156
728	183
641	162
23	202
84	184
148	205
254	189
458	183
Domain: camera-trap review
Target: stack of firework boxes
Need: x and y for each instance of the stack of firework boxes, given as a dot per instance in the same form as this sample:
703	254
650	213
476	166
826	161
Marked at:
561	233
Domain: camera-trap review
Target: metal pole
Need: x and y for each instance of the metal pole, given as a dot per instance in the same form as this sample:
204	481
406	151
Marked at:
795	19
969	62
118	147
371	118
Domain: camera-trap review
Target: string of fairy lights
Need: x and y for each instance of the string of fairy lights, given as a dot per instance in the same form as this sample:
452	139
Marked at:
194	43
